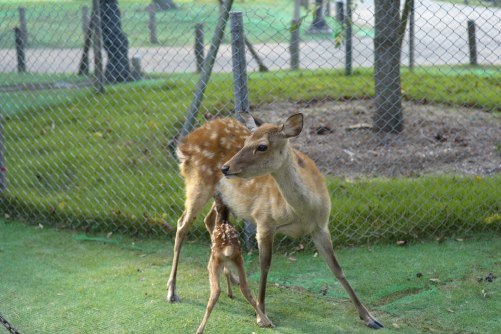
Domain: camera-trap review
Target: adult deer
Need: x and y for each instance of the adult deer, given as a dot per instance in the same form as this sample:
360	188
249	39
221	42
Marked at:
266	182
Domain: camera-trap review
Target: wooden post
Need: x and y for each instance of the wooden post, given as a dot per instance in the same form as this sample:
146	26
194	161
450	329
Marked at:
85	18
98	56
349	39
340	12
199	46
21	61
137	72
22	24
260	64
411	35
472	42
3	169
295	38
83	68
152	25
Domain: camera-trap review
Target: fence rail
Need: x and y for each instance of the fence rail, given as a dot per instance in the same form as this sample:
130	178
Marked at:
102	161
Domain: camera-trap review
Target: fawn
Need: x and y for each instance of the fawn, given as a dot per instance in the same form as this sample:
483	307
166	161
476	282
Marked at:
226	252
264	180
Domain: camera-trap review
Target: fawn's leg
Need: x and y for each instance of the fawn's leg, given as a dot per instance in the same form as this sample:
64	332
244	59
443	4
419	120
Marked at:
214	268
210	219
197	195
265	245
323	243
263	320
227	275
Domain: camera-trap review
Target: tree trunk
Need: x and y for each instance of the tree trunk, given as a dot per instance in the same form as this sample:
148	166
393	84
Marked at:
319	26
115	43
387	48
164	4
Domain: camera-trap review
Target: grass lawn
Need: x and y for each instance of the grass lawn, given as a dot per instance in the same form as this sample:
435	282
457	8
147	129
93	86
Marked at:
58	23
101	162
57	281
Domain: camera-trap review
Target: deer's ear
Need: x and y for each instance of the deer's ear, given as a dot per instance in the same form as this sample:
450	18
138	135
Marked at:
293	126
249	121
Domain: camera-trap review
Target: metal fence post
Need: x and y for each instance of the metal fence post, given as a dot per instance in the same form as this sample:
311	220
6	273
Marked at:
472	42
3	169
239	63
349	39
240	89
199	46
294	43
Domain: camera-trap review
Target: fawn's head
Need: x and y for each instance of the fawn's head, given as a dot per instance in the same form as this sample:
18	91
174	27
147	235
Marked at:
222	211
265	150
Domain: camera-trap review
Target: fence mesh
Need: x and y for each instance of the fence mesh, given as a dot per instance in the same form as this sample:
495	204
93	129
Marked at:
99	158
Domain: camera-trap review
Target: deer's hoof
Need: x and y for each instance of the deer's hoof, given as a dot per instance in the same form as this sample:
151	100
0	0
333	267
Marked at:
264	323
374	324
173	298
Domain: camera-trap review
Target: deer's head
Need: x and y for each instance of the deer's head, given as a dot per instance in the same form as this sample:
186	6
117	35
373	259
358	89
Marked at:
265	150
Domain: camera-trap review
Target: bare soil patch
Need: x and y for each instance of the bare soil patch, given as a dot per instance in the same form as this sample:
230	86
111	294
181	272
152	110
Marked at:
437	139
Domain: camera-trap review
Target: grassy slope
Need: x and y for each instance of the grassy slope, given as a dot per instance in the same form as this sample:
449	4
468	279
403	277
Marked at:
103	158
58	24
63	282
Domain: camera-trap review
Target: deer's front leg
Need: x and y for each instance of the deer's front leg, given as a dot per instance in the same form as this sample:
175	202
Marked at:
265	245
322	240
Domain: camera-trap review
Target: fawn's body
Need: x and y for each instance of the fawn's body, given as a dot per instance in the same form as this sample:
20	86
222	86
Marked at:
226	252
267	182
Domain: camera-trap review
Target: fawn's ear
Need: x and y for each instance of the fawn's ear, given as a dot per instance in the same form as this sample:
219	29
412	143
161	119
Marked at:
249	121
293	126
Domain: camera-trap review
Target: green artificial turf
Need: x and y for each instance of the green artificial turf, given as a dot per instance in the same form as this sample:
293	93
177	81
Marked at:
58	281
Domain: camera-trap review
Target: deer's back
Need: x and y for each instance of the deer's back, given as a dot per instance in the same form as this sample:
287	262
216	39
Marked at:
225	241
207	148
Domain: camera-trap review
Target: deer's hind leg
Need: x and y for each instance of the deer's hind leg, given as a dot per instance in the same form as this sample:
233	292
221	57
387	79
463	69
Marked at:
198	195
214	268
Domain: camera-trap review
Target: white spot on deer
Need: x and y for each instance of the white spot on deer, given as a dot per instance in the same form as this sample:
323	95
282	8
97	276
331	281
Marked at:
208	154
196	148
213	135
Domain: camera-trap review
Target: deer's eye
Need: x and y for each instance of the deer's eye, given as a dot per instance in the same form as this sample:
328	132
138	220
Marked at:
262	147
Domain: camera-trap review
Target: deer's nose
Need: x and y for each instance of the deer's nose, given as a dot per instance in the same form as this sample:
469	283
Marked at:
225	169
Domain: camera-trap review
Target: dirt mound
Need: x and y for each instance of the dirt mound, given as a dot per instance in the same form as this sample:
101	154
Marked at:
436	139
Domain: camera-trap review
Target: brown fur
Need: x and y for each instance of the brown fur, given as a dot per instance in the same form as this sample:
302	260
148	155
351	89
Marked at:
267	182
226	251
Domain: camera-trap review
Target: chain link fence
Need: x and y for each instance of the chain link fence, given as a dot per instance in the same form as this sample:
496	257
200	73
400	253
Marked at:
92	99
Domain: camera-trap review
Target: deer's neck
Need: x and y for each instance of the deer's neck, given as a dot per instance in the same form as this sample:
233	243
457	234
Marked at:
292	186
